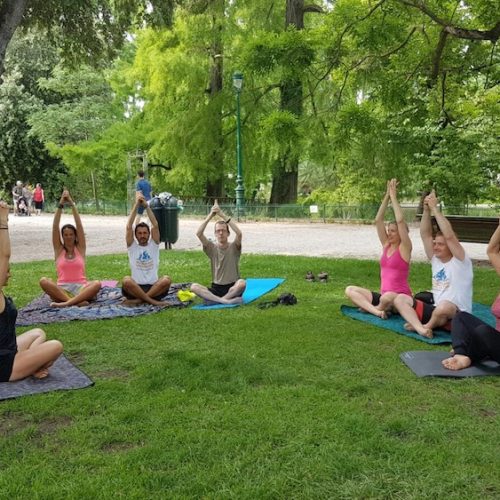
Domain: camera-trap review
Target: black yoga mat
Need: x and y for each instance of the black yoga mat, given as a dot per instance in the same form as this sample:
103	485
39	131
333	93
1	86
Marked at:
428	364
62	375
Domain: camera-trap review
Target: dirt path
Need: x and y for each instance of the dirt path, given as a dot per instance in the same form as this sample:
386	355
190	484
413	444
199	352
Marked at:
31	238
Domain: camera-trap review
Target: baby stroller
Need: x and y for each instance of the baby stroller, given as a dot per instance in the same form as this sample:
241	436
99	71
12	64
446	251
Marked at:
22	206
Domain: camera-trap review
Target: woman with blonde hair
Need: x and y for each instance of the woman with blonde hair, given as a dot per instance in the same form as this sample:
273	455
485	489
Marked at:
394	262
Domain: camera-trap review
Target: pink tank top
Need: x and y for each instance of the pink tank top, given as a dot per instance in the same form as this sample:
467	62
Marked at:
495	309
70	270
394	273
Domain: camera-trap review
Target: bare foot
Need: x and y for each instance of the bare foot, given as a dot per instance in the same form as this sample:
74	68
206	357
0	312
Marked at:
457	362
42	373
381	314
235	300
58	304
426	332
131	302
408	327
160	303
83	303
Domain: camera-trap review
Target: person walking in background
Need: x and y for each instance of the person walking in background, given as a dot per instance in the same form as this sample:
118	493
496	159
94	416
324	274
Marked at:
28	197
72	287
394	262
29	353
38	198
17	193
143	187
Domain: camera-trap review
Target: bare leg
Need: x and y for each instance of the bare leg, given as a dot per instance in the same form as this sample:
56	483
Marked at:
441	315
206	294
134	290
457	362
52	290
82	299
387	302
404	305
160	288
31	338
235	292
362	298
36	360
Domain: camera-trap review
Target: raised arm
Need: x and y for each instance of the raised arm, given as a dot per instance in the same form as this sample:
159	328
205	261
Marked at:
426	230
493	249
379	218
155	230
80	233
4	249
406	245
56	238
200	233
238	235
454	245
129	232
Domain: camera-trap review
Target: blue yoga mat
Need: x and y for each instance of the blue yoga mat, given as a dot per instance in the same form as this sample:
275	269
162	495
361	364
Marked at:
256	287
396	323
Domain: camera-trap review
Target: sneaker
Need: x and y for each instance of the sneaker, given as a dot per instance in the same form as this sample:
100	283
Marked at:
309	276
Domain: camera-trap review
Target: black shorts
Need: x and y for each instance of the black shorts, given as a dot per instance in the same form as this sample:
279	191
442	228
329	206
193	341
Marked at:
145	289
376	298
220	290
423	310
6	364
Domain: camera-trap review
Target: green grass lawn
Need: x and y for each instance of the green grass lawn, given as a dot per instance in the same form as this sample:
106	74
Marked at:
287	402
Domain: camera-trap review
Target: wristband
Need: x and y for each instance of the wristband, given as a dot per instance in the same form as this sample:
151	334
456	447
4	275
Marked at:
228	220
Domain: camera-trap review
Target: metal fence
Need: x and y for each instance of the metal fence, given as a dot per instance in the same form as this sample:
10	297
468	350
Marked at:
313	213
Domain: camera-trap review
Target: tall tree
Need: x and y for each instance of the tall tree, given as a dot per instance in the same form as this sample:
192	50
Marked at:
85	30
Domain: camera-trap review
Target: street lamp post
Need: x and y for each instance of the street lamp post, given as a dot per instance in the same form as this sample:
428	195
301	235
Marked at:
240	189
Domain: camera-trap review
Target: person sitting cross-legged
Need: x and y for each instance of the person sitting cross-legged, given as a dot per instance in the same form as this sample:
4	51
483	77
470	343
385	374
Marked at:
227	286
144	286
451	276
72	287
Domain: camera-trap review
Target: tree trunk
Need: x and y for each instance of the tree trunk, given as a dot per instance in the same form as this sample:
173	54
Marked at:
11	15
286	171
215	178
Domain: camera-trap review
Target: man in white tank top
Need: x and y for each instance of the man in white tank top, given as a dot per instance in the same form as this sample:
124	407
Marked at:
451	276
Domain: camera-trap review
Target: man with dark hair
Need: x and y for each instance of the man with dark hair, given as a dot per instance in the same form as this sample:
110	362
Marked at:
451	276
143	187
227	286
144	257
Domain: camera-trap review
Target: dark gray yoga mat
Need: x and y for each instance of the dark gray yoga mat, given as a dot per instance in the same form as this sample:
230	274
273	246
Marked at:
428	364
62	375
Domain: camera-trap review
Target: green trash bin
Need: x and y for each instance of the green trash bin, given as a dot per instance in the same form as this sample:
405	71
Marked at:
171	211
159	212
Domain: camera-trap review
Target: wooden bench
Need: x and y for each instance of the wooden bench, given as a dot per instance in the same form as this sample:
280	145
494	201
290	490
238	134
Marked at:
472	229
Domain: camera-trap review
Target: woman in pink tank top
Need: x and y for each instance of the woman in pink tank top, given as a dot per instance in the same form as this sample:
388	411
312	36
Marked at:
72	287
394	263
474	340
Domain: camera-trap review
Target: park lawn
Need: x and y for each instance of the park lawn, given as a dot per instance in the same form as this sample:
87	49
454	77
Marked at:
287	402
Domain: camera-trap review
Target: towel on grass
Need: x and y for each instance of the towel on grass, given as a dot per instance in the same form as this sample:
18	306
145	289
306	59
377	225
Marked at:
62	375
107	305
256	287
428	364
396	323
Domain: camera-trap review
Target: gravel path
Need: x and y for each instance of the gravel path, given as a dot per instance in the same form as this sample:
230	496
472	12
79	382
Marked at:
31	238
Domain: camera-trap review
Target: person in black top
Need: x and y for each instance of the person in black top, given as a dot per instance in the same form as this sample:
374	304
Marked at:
29	353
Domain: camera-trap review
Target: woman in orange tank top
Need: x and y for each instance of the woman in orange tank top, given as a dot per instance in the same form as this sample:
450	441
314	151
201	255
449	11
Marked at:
72	287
